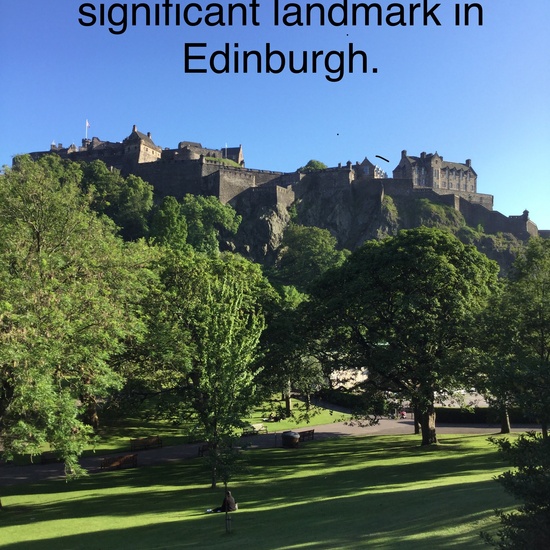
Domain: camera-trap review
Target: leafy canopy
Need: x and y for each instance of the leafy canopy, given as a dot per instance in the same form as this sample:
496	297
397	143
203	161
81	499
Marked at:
402	309
69	291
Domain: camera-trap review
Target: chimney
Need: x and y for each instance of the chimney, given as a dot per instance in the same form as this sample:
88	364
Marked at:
149	135
469	163
134	128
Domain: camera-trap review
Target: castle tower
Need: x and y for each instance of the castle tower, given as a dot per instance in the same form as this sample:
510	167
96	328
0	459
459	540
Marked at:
139	148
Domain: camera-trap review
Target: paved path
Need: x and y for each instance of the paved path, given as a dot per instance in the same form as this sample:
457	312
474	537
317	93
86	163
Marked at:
12	475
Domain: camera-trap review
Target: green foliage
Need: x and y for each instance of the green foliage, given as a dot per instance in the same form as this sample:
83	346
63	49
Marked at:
168	225
489	243
517	336
313	166
206	219
469	235
126	201
305	254
69	296
207	319
288	366
428	214
402	308
529	482
389	210
293	212
227	162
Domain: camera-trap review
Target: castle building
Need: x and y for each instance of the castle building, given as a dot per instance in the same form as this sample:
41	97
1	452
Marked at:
139	148
193	169
430	170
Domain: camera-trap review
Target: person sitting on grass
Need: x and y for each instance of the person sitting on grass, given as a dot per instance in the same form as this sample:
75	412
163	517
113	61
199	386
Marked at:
228	504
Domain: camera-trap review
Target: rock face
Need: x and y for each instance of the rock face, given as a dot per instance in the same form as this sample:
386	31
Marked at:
262	227
354	214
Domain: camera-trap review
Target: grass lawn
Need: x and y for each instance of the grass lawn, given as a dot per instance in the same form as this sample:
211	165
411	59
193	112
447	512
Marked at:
115	433
348	493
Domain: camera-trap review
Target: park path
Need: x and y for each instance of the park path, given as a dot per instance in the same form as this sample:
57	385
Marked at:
33	473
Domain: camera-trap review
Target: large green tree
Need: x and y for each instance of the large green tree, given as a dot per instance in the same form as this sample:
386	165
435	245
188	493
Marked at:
69	298
206	321
517	329
403	309
288	366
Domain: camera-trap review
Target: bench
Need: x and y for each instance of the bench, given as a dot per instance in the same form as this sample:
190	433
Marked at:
49	457
255	429
307	435
145	443
123	461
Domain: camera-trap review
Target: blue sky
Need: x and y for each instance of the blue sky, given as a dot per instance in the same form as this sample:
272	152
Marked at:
476	92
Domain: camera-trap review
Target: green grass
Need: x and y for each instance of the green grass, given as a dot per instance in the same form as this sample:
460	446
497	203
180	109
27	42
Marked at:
115	432
341	493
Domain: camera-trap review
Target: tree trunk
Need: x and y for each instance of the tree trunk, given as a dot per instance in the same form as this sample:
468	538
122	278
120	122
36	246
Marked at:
427	423
213	457
288	401
90	415
504	421
416	416
544	428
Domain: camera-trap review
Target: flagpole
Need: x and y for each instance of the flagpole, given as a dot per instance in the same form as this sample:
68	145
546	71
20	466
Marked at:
86	125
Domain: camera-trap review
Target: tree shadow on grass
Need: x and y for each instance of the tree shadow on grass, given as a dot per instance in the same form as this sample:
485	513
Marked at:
388	520
326	494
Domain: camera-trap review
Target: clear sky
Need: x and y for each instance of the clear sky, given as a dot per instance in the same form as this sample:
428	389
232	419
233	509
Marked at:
468	92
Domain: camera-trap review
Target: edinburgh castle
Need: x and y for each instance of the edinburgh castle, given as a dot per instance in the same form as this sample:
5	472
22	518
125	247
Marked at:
350	200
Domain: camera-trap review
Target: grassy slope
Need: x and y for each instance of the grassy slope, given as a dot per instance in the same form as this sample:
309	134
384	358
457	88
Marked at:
375	492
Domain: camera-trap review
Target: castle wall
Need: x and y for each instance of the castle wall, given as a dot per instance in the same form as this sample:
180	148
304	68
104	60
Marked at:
368	186
285	180
232	183
285	196
401	187
495	222
447	199
342	176
264	177
172	177
476	198
266	197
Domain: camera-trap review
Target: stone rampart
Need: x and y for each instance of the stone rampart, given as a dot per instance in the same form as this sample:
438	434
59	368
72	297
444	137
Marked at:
330	177
233	182
495	222
285	196
476	198
172	177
